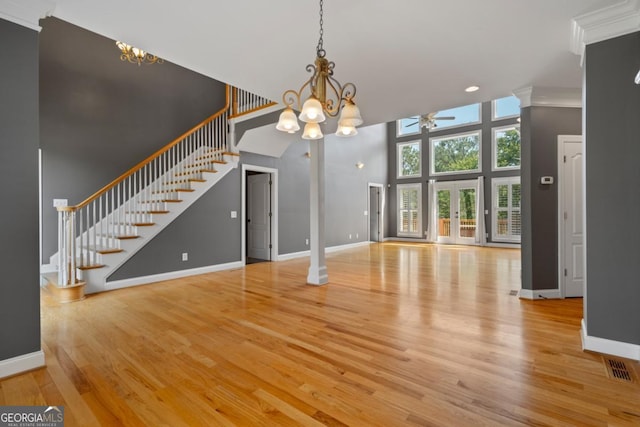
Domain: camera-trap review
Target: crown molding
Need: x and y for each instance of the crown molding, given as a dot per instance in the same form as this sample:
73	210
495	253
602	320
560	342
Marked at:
603	24
26	13
549	97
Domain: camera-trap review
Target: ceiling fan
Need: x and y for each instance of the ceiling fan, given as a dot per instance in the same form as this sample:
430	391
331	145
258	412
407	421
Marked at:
428	121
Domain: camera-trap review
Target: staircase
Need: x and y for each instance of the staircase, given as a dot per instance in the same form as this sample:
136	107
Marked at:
100	234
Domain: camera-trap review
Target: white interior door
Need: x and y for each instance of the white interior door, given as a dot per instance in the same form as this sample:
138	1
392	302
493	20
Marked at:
259	216
572	274
456	212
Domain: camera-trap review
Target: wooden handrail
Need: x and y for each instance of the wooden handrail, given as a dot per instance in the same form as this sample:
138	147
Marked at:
253	110
150	158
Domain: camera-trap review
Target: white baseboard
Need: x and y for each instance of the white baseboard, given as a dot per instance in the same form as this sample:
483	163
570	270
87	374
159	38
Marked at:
48	268
504	245
540	294
20	364
405	239
295	255
347	246
145	280
615	348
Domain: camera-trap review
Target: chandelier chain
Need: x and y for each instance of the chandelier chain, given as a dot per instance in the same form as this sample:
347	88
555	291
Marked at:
320	49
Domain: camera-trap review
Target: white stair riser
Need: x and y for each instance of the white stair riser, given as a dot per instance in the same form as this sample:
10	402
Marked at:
97	278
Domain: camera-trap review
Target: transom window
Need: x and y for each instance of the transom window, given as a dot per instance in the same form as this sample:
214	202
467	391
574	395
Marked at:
506	148
506	107
463	116
408	126
409	163
456	154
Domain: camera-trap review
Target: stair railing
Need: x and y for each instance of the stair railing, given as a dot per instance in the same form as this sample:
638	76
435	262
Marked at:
96	225
244	102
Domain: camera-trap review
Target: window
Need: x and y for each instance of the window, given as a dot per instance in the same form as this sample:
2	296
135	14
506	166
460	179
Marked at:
409	206
506	148
408	126
504	108
465	115
409	164
456	153
507	222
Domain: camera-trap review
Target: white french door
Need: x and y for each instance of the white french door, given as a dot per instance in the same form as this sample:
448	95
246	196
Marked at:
456	212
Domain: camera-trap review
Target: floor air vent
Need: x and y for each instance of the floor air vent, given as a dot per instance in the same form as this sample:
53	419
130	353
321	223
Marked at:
617	370
513	293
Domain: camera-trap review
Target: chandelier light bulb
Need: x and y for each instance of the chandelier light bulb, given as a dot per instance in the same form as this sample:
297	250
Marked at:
346	130
288	121
312	111
312	131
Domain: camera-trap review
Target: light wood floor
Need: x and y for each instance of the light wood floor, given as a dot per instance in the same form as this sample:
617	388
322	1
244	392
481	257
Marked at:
403	335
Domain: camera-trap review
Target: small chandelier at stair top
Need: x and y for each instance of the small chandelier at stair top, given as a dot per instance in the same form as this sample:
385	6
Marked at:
136	56
327	98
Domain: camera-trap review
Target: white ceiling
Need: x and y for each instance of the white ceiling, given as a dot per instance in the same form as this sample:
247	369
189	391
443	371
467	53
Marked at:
406	57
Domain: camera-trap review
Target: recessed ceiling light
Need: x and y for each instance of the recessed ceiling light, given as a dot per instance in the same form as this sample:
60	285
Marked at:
472	89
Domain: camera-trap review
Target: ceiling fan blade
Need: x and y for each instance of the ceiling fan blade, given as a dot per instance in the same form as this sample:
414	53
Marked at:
411	124
445	118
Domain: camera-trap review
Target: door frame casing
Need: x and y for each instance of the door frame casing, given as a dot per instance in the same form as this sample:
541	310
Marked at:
562	139
274	210
454	187
382	207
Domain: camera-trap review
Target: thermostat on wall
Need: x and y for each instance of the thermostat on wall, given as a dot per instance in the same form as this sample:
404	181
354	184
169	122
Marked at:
546	180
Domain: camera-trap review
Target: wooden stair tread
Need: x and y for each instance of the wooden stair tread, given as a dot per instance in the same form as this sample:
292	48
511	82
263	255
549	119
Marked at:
90	267
103	250
146	212
185	190
162	201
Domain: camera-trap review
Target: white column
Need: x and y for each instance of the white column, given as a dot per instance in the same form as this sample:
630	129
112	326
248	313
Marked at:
318	268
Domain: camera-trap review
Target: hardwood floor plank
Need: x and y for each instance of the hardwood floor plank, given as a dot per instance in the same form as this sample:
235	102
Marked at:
403	335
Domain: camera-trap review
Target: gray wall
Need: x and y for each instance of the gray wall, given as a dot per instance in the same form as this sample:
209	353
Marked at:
540	129
613	200
486	131
100	116
19	287
208	233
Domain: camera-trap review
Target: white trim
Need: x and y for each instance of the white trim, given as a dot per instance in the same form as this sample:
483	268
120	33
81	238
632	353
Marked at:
303	254
145	280
407	239
382	208
494	147
399	146
504	245
602	345
493	110
540	294
413	186
603	24
561	222
432	158
26	13
48	268
509	181
549	97
274	210
19	364
399	127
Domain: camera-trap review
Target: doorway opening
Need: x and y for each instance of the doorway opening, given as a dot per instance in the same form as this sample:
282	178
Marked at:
376	201
571	208
456	212
259	214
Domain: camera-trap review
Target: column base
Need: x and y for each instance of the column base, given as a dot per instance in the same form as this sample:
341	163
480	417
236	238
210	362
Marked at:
317	276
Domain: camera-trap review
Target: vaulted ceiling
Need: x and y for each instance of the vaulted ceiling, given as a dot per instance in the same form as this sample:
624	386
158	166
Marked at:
406	57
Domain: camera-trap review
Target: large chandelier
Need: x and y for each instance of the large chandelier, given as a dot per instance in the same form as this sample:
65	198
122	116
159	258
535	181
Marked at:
136	56
327	98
